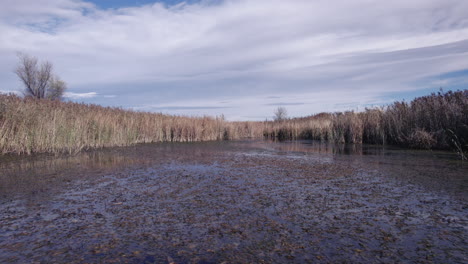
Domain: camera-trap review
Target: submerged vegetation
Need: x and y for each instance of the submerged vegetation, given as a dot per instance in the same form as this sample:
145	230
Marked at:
28	125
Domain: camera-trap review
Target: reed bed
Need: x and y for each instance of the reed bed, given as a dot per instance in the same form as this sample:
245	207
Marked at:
30	125
436	121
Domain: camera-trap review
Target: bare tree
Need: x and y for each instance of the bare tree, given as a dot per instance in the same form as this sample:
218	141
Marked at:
280	114
39	80
56	88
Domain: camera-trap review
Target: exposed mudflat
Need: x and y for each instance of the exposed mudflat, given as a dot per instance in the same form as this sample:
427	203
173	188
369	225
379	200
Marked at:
235	202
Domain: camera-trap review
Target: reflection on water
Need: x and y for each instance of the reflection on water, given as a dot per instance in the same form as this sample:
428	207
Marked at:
30	174
441	170
321	147
37	173
240	202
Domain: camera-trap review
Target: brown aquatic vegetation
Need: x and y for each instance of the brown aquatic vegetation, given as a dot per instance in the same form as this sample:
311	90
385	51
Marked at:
28	125
236	202
318	127
439	120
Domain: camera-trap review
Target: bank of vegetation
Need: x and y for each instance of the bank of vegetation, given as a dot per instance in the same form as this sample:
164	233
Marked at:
436	121
31	125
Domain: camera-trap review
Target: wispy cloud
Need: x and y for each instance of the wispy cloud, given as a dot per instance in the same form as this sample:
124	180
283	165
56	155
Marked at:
329	52
71	95
284	104
159	108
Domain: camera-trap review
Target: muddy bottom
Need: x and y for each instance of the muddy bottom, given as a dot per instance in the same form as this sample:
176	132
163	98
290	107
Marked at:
235	202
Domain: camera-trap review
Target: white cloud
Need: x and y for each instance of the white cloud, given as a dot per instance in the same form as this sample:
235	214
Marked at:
240	49
71	95
11	92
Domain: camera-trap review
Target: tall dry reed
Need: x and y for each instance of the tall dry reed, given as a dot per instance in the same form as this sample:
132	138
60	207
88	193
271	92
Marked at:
30	125
439	120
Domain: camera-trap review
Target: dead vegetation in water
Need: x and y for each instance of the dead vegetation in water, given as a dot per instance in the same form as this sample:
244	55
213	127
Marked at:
215	203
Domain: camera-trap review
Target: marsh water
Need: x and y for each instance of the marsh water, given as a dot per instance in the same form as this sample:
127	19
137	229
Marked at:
235	202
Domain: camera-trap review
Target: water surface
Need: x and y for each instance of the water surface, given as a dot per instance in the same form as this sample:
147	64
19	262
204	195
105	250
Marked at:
235	202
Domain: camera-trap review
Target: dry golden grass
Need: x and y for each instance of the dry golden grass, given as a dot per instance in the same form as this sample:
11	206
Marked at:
434	121
30	125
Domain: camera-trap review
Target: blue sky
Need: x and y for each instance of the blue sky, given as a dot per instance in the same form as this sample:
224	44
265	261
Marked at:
240	58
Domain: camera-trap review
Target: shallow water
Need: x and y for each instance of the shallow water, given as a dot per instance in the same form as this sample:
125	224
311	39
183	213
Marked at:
235	202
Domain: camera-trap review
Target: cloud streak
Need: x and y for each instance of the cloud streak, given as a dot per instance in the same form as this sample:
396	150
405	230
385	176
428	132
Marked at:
71	95
241	51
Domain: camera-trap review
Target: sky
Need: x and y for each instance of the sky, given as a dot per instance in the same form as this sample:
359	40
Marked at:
240	58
